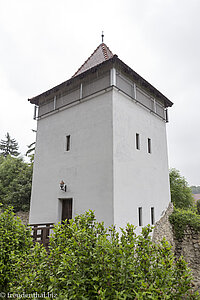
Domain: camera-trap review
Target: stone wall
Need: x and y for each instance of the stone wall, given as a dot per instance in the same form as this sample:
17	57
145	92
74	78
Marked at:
163	228
188	247
24	216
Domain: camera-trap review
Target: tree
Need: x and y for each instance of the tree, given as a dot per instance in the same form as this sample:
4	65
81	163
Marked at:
31	152
181	194
88	261
9	146
31	149
15	183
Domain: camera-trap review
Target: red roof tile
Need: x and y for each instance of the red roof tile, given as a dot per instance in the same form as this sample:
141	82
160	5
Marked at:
101	54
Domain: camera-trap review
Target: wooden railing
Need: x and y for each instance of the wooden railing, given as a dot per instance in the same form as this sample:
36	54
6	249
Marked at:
41	233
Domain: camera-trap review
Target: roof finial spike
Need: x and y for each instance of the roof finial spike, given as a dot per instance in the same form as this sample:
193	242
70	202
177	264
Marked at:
102	36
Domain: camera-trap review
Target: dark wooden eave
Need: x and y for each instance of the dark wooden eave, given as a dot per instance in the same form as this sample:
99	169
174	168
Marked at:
112	62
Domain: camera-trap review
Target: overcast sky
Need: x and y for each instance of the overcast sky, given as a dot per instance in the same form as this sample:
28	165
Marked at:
43	43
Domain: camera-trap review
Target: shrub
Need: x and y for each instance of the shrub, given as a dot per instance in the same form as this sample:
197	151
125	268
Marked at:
87	261
15	243
33	270
181	218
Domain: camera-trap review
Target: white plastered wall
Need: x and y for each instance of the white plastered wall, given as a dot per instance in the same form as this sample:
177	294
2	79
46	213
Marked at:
140	179
86	168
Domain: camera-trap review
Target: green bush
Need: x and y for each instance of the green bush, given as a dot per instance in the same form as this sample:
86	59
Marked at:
87	261
181	218
15	244
34	277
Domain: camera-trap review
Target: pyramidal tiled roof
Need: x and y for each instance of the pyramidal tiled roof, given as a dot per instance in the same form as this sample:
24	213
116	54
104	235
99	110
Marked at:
101	54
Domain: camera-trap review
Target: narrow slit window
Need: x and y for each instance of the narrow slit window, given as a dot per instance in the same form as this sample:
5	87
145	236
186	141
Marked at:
137	141
152	216
149	145
140	215
67	142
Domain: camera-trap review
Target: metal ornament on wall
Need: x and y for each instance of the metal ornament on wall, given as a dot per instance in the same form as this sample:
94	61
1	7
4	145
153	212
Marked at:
63	186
